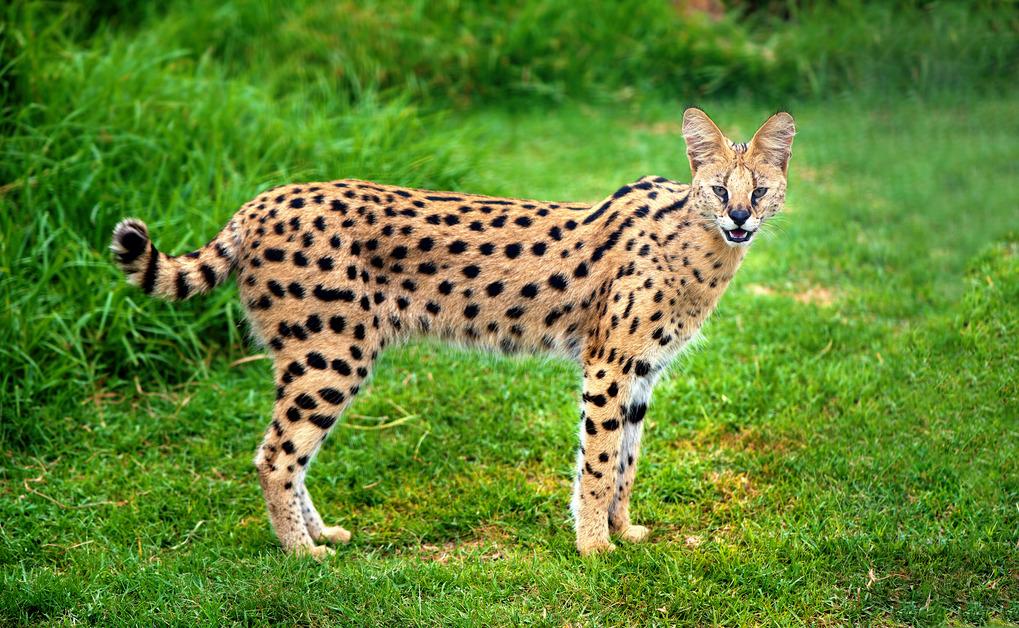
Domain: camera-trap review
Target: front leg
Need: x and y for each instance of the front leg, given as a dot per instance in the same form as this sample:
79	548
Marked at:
626	471
601	431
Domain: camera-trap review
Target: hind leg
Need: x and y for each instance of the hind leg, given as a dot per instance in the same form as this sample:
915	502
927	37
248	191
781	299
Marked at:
314	387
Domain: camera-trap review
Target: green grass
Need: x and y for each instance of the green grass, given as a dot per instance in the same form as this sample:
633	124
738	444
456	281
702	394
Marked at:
841	447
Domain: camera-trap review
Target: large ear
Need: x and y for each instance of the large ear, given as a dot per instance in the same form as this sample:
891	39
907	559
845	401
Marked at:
704	142
773	142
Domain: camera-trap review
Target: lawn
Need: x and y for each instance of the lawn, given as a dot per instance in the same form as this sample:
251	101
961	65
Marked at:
841	447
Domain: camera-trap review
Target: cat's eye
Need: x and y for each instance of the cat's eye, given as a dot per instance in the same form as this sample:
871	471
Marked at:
759	193
720	192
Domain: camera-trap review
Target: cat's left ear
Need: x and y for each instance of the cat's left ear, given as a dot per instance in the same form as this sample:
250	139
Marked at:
773	142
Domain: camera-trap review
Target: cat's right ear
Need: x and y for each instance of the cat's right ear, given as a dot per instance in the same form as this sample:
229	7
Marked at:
704	141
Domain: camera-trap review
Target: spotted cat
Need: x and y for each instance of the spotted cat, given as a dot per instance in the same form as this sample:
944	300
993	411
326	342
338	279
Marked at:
332	273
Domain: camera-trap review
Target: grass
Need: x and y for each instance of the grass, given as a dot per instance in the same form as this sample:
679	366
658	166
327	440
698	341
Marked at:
840	449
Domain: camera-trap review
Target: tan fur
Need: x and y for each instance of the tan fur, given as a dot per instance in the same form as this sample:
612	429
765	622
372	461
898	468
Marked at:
332	273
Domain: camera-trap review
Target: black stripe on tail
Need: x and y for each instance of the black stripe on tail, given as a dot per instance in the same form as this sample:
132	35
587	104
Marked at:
169	277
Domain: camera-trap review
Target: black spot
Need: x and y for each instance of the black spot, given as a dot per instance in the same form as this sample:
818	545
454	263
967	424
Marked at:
590	427
426	244
427	268
297	202
603	457
539	248
331	395
359	331
322	421
432	307
529	290
183	288
332	294
295	369
487	248
523	221
208	275
300	259
558	281
471	310
337	323
512	250
314	323
494	288
457	247
446	287
515	312
471	271
402	303
341	367
276	288
611	425
635	412
273	255
294	415
409	285
288	447
316	361
597	400
305	401
580	270
325	263
296	289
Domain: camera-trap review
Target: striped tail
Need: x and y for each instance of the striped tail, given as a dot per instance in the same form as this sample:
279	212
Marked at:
168	277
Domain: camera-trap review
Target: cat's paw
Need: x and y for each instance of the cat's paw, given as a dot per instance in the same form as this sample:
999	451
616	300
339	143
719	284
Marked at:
318	552
634	534
586	548
335	535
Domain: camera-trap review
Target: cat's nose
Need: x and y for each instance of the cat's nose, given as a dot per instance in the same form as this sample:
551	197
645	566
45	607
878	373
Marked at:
739	216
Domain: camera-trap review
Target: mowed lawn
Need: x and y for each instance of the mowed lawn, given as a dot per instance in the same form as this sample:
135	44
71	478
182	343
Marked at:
842	446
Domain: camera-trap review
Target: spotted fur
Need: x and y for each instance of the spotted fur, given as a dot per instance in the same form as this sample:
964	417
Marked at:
332	273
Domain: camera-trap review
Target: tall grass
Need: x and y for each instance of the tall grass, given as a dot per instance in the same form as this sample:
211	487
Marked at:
130	127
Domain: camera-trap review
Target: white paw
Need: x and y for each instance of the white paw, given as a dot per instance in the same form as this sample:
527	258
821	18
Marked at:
634	534
335	534
318	552
595	547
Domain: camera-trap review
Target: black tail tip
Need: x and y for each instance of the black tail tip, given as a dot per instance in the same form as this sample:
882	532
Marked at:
130	240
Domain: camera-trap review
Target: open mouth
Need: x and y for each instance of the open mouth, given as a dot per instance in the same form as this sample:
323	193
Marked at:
737	235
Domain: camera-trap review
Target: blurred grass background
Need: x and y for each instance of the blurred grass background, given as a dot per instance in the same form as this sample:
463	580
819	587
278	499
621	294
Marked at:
842	448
